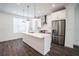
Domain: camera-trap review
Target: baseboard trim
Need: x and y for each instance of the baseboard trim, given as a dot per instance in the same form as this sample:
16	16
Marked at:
76	46
11	40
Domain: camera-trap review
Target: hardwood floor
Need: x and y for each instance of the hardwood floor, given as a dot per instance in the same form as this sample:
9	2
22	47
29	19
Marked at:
58	50
18	48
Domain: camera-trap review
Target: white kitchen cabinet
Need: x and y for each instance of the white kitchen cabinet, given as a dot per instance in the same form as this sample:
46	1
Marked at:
39	41
58	15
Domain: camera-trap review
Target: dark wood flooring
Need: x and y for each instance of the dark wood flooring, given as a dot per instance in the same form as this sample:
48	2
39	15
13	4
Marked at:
18	48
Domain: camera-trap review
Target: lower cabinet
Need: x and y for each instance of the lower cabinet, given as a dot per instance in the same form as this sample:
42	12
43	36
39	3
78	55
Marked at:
42	45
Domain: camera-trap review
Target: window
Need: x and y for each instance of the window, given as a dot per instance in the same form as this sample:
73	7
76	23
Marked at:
21	25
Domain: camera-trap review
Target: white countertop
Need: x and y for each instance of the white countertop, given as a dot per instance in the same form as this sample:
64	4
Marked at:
40	35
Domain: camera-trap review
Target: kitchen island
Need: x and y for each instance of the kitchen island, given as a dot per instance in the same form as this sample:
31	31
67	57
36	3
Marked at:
39	41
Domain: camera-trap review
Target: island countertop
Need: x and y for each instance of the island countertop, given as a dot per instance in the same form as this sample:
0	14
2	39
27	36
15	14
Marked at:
41	42
39	35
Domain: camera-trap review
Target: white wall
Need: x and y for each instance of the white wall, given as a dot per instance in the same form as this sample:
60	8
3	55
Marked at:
72	25
70	13
6	27
76	26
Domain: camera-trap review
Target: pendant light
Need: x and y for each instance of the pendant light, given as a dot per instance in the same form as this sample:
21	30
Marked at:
28	12
34	11
27	9
23	14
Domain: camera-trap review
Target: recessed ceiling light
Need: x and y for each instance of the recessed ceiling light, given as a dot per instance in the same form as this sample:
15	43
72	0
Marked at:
53	5
18	3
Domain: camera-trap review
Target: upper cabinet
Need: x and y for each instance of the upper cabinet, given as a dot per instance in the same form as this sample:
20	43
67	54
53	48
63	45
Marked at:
59	15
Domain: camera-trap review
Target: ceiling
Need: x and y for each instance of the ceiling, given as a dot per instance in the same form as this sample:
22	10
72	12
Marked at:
38	9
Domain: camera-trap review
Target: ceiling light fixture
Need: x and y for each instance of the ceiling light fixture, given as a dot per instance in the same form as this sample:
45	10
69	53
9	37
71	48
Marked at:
23	14
53	5
28	12
34	10
18	4
35	18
